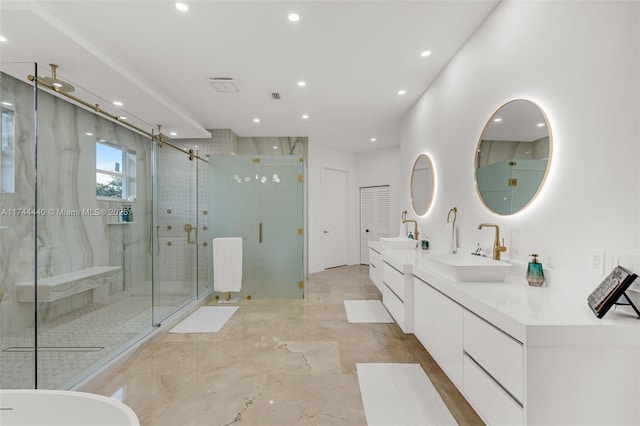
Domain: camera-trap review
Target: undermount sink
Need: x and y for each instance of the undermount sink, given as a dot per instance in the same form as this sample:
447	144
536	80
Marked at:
398	243
466	267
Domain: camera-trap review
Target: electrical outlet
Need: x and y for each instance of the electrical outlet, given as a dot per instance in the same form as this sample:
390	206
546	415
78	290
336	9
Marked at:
596	261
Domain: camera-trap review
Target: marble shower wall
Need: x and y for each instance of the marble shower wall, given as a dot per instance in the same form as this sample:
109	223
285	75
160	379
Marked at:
69	237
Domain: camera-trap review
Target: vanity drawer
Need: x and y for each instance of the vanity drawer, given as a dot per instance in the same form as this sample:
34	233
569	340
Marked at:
375	268
494	405
499	354
394	280
393	305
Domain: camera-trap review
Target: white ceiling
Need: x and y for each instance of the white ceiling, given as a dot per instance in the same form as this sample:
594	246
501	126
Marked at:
353	55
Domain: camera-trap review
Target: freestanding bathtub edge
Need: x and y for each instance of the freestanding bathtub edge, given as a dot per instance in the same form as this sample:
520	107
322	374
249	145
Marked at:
28	407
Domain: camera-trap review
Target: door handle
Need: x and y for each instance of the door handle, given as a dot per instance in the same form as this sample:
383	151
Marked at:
260	233
326	232
188	228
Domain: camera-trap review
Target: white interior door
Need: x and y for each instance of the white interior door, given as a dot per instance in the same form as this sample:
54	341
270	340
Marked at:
335	208
374	217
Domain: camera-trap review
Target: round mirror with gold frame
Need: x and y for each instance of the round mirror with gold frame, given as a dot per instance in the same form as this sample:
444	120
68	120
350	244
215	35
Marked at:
422	184
513	157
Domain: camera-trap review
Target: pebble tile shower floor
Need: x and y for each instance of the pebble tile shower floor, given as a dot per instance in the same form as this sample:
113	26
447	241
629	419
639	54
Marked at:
75	341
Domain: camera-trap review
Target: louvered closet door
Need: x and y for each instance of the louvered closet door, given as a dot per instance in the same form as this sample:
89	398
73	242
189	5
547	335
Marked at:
374	217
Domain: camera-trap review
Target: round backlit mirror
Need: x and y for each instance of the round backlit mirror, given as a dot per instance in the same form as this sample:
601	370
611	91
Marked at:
422	184
513	157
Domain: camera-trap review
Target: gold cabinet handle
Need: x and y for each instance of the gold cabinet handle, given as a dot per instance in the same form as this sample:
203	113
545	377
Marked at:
260	233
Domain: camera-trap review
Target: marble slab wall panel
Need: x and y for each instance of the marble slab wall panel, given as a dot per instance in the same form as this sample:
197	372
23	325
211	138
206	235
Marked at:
17	244
74	232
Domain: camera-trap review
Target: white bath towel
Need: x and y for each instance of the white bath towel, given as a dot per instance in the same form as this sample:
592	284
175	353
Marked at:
454	238
404	231
227	264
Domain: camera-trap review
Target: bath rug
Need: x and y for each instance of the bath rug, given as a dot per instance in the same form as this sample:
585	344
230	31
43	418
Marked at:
207	319
400	395
366	311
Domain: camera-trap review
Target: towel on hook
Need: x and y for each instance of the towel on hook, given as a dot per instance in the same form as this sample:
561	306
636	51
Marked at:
454	239
227	264
404	231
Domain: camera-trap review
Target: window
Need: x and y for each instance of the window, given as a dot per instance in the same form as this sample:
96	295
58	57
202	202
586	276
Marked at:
115	172
7	174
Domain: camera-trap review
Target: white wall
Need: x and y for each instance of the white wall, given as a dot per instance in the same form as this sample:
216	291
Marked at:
580	62
321	157
382	167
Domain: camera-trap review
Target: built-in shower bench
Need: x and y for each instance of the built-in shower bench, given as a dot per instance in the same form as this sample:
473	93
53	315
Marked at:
60	286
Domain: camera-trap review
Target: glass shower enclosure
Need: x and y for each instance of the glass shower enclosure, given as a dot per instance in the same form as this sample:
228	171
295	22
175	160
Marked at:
90	257
261	200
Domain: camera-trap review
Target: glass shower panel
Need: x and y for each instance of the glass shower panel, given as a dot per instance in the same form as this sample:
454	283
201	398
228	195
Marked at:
17	222
278	205
94	295
176	230
261	200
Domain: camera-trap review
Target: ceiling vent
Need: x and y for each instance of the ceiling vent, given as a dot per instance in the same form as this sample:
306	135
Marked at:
224	84
275	96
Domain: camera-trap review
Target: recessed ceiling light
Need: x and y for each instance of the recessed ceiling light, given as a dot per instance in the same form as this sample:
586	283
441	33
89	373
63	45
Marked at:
182	7
497	120
173	134
540	124
302	83
117	103
305	116
373	139
294	17
6	103
425	53
89	134
256	120
2	39
275	147
401	92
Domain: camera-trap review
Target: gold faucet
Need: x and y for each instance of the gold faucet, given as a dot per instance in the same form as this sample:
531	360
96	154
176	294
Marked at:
497	248
415	227
415	224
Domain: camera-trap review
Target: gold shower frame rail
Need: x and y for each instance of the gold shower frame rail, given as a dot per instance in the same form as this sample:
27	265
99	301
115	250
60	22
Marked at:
96	107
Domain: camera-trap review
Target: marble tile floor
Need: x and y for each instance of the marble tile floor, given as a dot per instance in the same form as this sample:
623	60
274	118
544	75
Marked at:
275	362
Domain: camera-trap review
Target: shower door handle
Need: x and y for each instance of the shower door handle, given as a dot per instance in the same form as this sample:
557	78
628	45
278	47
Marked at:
188	228
260	233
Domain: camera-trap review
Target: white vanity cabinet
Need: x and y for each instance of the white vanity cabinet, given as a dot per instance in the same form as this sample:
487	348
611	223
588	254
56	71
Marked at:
397	285
397	295
530	356
438	322
375	264
493	371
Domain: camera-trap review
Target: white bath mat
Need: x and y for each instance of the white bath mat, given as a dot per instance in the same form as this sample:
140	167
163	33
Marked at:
366	311
399	395
207	319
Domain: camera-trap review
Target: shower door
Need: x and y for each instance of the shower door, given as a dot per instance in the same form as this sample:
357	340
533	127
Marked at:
261	200
174	231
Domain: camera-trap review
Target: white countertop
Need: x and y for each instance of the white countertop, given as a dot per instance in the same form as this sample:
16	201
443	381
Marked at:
547	315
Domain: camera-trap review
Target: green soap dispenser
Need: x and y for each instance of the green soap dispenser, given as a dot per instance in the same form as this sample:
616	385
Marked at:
535	276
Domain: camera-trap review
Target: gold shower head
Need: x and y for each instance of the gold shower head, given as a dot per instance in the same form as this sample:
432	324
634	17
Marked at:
53	81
